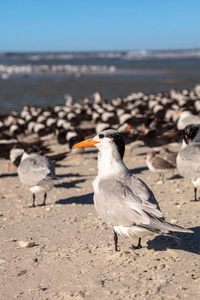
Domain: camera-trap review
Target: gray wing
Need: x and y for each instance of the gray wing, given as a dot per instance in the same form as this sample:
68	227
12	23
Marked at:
170	157
161	163
188	161
35	169
140	188
117	204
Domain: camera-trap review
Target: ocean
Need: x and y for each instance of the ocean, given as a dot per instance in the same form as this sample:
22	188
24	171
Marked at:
44	78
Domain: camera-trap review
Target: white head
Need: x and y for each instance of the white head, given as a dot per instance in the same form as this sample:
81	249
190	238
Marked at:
109	143
111	151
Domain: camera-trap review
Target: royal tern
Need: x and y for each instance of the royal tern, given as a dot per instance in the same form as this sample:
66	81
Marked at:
36	172
121	199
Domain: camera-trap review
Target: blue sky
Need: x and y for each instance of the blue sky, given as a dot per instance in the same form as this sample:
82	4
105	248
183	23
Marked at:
91	25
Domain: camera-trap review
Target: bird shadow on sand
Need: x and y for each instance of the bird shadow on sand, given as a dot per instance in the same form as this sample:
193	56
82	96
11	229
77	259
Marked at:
57	165
138	170
83	199
9	175
141	154
68	175
175	176
71	184
189	242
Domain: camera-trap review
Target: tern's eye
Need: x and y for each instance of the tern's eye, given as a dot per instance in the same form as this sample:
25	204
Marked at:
101	135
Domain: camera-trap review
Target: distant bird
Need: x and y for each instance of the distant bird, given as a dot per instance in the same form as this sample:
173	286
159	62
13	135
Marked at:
57	156
16	154
69	100
191	134
18	150
6	144
121	199
36	172
101	127
69	136
188	158
186	118
155	137
97	97
158	165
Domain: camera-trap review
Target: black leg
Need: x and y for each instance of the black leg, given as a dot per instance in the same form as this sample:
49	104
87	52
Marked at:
44	201
195	194
139	246
115	240
33	205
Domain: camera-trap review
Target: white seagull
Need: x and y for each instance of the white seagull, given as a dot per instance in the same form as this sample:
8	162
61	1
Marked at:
188	158
36	172
121	199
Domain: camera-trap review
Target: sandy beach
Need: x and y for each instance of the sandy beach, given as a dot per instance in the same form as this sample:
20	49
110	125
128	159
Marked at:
73	256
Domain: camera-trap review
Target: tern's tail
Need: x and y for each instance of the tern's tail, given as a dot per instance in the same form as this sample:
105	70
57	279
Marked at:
57	180
54	180
161	225
176	228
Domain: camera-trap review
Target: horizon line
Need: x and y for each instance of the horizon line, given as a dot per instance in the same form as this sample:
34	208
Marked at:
95	51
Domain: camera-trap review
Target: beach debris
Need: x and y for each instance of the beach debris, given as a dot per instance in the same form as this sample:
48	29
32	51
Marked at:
26	244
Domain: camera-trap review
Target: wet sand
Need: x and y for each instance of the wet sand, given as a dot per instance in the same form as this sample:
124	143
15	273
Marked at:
73	256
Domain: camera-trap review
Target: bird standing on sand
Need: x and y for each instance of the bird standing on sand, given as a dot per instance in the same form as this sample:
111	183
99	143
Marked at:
17	151
158	165
36	172
121	199
188	158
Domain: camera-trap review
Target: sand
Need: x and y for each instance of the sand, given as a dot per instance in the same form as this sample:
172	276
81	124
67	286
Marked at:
72	251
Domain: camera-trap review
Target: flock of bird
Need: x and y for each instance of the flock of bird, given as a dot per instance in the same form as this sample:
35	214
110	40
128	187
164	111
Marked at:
73	70
121	199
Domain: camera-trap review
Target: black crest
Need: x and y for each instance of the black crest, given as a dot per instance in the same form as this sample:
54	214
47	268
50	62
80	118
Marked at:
189	132
118	140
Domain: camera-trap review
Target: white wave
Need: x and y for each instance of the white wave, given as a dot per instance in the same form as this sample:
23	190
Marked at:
165	54
120	55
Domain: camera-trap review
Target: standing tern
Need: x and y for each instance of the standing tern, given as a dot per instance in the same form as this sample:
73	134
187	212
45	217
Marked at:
121	199
188	158
36	172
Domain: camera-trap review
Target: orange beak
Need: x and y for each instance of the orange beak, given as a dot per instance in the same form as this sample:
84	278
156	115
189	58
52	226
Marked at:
128	127
86	143
177	112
